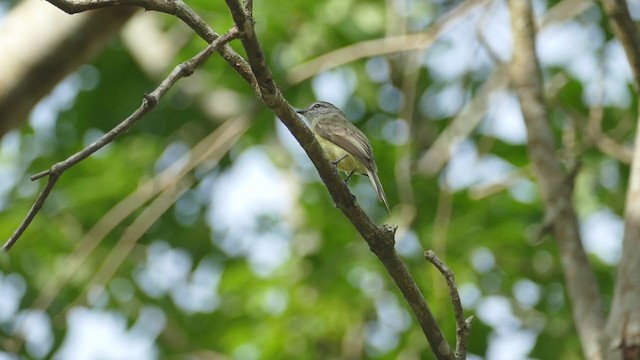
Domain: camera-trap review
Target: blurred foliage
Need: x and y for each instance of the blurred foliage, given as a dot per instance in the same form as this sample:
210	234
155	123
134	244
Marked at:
192	287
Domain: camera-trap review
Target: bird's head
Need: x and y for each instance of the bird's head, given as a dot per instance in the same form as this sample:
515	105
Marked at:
319	109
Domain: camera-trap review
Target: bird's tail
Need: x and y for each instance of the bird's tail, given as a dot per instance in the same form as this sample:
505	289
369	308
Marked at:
379	190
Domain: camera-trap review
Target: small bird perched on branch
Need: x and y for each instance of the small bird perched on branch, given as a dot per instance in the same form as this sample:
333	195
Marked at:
343	143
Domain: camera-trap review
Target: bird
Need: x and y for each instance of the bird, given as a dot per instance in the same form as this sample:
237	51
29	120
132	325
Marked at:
343	143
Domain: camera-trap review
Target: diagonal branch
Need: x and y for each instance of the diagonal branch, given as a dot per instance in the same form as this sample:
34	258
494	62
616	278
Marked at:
463	325
172	7
148	104
380	239
33	211
556	191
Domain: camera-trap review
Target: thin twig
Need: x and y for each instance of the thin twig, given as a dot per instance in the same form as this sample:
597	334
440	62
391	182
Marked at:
177	8
463	325
148	104
33	211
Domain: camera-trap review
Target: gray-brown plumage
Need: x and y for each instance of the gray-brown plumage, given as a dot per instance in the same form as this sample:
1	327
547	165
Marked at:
344	143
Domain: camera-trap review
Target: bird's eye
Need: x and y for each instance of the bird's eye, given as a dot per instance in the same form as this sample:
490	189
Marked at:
316	106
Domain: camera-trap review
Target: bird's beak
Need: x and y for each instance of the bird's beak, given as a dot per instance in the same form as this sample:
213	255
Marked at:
300	111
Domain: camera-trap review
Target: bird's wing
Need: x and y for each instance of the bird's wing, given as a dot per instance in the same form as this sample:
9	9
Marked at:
348	137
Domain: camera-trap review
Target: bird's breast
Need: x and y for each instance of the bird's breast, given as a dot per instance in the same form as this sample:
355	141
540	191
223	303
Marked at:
335	152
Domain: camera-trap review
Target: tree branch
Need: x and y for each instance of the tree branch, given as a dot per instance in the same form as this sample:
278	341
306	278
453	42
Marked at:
34	210
463	325
148	104
172	7
380	239
556	193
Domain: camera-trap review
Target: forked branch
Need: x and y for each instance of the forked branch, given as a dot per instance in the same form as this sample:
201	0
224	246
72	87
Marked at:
176	8
149	102
463	325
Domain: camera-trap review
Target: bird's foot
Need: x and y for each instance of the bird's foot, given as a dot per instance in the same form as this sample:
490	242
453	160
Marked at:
346	180
336	162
